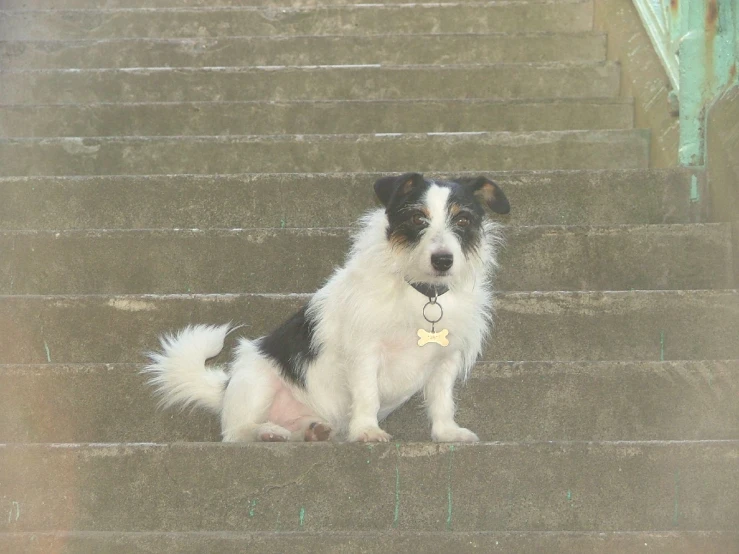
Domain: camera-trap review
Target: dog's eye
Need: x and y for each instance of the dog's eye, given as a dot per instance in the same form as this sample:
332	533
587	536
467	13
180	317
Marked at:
462	220
418	219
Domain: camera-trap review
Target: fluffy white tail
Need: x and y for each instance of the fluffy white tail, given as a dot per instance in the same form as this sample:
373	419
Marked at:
179	372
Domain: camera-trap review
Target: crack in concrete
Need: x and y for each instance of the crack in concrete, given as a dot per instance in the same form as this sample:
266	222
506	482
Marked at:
297	481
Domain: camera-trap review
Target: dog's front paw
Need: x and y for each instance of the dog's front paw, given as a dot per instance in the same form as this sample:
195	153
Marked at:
454	434
370	434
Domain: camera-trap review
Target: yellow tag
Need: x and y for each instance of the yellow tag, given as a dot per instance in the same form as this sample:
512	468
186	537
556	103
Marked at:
424	337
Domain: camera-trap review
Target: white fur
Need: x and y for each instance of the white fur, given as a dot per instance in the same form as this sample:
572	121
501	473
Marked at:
179	373
369	364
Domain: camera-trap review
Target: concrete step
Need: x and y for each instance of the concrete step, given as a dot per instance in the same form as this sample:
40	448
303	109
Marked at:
504	401
577	486
603	197
281	83
329	117
113	4
628	325
628	542
233	261
325	153
362	19
304	50
659	542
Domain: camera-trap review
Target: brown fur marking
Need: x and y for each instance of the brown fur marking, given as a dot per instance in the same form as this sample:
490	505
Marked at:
317	432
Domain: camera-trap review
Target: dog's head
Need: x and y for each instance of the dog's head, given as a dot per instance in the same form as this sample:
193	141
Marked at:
440	226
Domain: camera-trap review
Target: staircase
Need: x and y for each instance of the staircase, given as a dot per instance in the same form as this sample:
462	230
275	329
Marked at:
166	162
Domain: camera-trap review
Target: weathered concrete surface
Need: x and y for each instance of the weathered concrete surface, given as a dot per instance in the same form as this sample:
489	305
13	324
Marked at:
270	118
642	77
324	153
534	258
639	325
576	80
113	4
539	401
579	197
722	144
665	542
304	50
323	20
623	486
504	401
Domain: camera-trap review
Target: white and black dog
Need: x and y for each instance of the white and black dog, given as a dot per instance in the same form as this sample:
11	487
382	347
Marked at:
408	312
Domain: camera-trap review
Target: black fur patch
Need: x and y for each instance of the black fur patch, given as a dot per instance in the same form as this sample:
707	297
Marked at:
462	201
401	208
292	346
487	192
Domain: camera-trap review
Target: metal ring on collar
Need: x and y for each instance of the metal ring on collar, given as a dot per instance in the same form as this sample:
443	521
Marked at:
433	303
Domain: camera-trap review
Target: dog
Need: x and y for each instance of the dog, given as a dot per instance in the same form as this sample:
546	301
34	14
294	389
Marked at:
408	312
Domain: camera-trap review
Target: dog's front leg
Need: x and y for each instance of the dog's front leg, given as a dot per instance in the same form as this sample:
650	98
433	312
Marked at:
439	397
362	381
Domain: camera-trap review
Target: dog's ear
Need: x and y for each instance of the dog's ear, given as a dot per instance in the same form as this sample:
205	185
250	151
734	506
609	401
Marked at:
488	193
388	189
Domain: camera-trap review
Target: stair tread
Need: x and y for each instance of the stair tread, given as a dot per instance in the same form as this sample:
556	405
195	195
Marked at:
502	136
501	401
298	200
559	64
564	101
429	48
322	117
375	152
373	81
625	325
241	260
260	20
621	485
265	4
60	42
434	542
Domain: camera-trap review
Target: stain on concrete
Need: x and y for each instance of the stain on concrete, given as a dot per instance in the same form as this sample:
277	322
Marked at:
15	512
396	515
78	146
449	489
130	305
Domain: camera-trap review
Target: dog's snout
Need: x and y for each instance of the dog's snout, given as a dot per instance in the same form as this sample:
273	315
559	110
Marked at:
442	262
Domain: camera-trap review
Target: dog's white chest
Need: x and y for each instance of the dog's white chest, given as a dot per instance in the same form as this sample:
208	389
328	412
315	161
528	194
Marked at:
406	368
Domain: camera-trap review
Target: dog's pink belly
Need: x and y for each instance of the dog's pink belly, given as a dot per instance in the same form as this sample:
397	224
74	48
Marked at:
288	412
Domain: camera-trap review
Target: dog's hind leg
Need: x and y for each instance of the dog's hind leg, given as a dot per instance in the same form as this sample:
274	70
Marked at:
271	432
314	430
294	415
246	405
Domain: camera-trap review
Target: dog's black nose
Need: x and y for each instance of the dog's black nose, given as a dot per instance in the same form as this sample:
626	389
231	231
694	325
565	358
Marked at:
442	262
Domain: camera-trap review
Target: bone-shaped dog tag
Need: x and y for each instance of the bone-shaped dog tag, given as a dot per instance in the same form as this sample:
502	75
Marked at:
424	337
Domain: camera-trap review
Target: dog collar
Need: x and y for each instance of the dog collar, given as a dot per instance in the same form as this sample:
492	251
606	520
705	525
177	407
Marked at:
432	292
428	290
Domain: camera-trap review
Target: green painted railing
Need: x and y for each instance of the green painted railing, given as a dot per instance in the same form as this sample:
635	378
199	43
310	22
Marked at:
698	43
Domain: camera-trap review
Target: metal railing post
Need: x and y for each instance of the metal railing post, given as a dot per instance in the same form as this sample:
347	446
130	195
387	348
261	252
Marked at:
698	43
